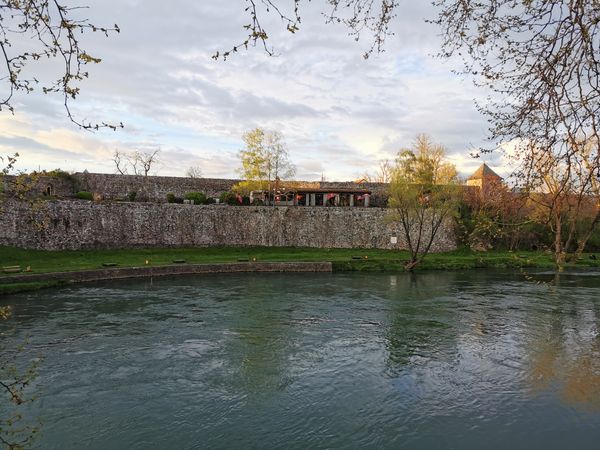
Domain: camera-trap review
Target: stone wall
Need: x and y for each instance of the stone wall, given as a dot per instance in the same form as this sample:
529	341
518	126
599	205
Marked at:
38	186
57	225
151	188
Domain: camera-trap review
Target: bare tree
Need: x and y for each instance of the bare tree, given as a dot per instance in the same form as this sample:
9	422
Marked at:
139	162
36	30
120	162
382	175
145	161
193	172
540	58
566	194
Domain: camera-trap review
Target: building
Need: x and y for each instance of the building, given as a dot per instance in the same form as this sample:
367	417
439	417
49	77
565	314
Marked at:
344	197
483	176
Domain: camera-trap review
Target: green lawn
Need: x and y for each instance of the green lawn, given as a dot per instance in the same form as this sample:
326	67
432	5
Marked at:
371	260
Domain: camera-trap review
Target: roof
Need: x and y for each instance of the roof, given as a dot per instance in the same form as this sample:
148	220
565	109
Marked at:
332	190
484	171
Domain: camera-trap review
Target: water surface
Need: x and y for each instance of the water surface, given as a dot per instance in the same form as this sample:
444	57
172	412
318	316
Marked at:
440	360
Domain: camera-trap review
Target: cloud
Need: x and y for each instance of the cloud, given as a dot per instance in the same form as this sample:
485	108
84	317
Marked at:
339	114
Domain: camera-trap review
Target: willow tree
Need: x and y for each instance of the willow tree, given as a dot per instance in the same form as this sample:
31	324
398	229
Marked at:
424	196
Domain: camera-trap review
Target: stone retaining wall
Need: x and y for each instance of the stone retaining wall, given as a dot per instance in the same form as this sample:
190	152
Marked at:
58	225
160	271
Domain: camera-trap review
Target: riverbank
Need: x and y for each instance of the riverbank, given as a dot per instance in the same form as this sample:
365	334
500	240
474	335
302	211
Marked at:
29	266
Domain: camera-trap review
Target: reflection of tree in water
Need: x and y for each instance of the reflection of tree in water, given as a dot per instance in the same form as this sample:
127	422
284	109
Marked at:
262	324
566	356
421	322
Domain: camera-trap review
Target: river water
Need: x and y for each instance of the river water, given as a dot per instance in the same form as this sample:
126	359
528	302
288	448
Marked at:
441	360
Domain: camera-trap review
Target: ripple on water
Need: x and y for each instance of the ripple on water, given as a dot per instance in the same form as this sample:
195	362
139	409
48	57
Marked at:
438	360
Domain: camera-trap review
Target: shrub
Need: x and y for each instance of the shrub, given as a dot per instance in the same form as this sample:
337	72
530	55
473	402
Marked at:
198	197
245	200
210	201
131	196
170	197
85	195
230	198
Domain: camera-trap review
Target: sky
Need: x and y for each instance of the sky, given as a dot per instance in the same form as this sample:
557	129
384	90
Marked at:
340	114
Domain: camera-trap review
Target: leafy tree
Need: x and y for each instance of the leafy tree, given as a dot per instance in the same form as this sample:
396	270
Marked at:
265	159
424	163
35	30
424	195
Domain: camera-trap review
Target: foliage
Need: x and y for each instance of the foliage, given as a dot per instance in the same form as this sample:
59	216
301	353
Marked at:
84	195
423	195
170	197
36	30
265	159
132	196
138	162
210	201
199	198
230	198
247	186
424	163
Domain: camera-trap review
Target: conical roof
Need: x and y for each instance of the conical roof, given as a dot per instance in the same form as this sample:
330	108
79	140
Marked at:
484	171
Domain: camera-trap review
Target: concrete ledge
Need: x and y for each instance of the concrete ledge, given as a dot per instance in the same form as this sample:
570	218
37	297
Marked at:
161	271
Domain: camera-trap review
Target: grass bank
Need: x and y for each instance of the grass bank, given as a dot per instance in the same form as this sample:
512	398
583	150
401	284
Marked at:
343	260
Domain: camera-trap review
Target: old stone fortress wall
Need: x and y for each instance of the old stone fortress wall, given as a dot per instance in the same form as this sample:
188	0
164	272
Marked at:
67	223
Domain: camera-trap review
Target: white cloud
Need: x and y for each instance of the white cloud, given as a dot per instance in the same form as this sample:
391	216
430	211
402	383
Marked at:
339	113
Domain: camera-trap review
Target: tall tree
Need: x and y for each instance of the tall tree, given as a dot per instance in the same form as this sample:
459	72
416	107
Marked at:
424	163
35	30
265	159
424	195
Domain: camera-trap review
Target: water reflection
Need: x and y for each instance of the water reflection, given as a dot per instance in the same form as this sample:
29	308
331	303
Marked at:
435	360
565	357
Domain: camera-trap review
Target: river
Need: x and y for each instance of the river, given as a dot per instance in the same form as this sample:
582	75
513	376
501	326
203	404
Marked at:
438	360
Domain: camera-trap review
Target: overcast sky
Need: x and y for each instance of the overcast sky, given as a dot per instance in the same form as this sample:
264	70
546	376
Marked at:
339	113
